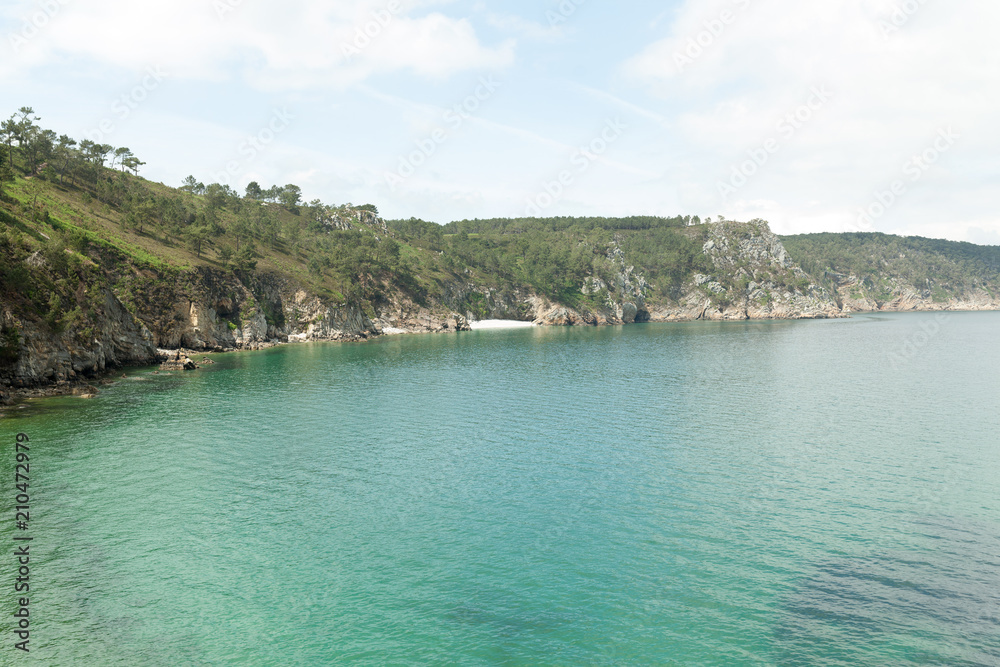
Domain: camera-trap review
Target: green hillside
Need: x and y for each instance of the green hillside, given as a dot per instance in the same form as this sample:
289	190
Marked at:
554	256
880	261
83	209
78	222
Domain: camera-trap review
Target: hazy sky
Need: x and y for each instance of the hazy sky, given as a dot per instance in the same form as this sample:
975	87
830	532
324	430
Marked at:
805	113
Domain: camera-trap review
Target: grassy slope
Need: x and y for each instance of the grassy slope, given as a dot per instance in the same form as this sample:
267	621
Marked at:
70	208
546	256
38	215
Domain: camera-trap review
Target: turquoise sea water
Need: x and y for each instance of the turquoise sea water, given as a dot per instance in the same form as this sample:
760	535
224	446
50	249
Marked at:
768	493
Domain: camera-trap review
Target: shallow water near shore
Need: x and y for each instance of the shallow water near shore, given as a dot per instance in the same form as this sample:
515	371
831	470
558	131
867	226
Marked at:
786	493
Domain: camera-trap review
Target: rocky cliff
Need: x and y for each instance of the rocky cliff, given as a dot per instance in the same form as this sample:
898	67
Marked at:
753	277
44	357
620	300
201	310
857	294
116	311
881	272
214	310
100	268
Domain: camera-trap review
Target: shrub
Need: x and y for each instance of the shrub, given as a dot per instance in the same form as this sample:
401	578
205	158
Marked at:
939	295
721	301
52	317
55	255
77	240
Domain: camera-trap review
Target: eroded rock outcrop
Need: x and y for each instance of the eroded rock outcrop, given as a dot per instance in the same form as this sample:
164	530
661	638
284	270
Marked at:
859	294
200	311
62	358
752	277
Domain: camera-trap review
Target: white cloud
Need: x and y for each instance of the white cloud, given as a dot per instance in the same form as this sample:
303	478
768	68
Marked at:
524	28
295	45
623	104
983	236
890	95
896	79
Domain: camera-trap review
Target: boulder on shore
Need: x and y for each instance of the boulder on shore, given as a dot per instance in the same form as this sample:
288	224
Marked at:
178	362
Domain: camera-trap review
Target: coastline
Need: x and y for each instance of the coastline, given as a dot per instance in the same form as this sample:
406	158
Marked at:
89	387
137	318
501	324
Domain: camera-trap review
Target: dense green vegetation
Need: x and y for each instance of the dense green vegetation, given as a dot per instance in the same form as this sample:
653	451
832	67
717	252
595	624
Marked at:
75	215
562	224
943	267
554	256
77	207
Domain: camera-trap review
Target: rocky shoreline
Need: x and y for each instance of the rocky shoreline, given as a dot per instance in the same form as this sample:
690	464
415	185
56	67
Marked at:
88	387
146	316
85	382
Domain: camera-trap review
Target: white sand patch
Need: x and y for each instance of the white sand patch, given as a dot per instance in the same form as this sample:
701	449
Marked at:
500	324
392	331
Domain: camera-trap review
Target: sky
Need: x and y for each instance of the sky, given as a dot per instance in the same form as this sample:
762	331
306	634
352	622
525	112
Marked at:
855	115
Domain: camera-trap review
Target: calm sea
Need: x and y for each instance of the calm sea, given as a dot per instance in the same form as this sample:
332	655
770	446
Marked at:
766	493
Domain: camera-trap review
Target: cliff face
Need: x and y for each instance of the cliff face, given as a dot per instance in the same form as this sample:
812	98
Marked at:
213	310
753	277
620	300
882	272
857	295
131	314
45	357
203	310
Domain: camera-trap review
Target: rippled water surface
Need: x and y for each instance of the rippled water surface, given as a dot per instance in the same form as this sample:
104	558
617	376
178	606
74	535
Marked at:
783	493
